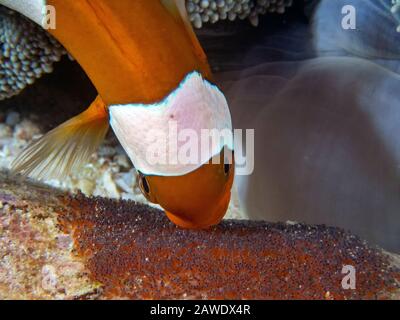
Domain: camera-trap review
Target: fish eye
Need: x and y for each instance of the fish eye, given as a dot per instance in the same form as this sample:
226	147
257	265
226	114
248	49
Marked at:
227	160
227	168
143	184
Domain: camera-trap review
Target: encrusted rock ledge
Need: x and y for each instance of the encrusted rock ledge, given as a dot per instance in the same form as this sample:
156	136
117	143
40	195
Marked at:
54	245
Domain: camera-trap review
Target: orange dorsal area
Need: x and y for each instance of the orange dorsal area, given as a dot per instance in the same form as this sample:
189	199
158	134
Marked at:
134	51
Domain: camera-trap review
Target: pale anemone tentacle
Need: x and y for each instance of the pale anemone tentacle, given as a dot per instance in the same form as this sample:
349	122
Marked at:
374	37
327	147
394	9
212	11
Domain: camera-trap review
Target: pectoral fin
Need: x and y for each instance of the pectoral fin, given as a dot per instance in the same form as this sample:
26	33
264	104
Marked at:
65	148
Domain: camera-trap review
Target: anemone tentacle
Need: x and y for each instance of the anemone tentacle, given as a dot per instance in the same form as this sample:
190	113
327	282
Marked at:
26	52
211	11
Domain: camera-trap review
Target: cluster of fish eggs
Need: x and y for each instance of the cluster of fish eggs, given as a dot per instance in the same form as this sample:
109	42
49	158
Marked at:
211	11
26	52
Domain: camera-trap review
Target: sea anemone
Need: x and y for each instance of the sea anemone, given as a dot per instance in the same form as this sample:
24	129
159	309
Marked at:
26	52
204	11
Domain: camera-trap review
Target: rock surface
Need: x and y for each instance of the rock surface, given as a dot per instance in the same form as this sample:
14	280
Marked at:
57	246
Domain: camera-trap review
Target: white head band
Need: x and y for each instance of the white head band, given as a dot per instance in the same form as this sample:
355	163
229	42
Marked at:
178	134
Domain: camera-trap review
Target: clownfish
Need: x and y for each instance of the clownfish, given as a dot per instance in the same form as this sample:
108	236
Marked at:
149	69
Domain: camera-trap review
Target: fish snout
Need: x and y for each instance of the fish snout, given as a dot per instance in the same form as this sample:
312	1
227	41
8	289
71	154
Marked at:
204	218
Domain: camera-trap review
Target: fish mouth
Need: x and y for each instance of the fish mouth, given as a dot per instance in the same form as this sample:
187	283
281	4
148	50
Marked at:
208	218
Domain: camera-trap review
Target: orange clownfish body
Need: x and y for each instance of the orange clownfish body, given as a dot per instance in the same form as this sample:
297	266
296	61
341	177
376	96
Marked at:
138	53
